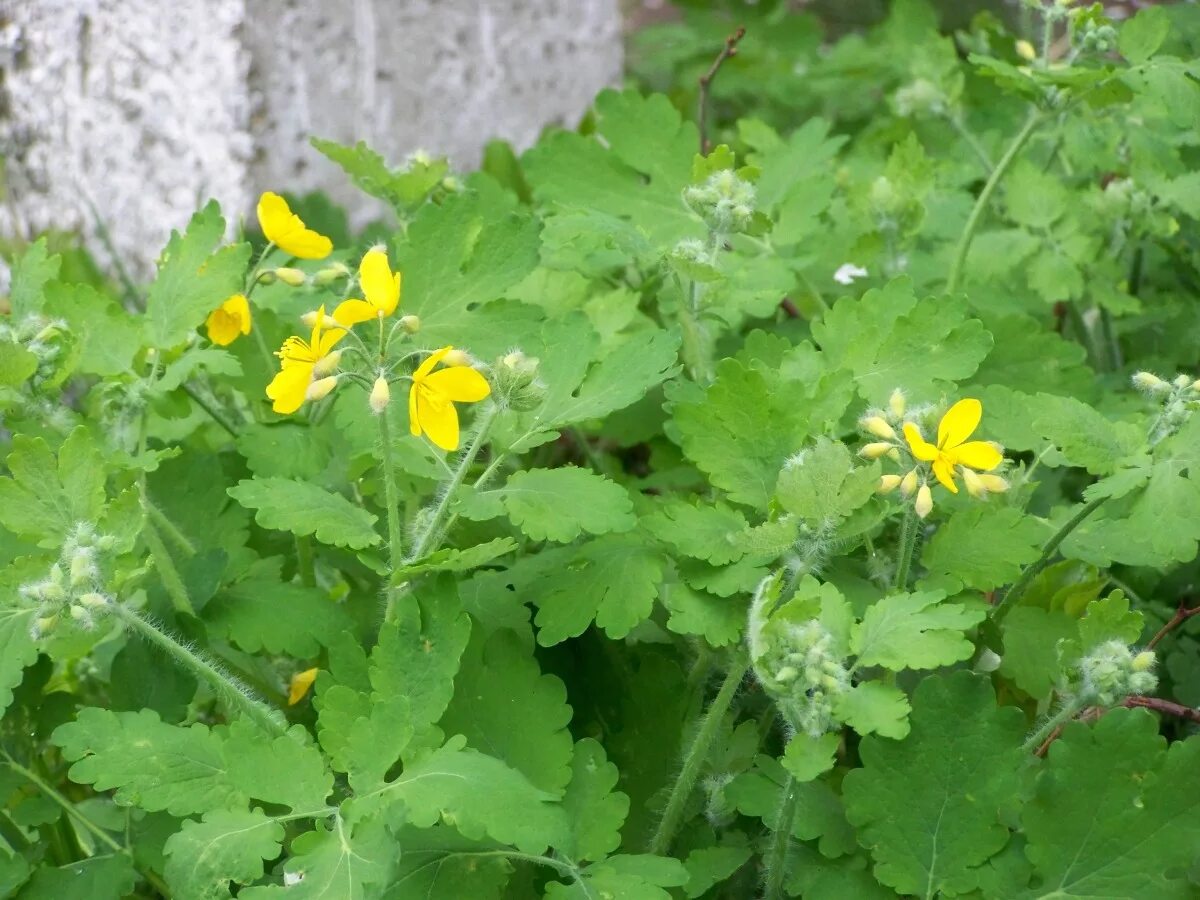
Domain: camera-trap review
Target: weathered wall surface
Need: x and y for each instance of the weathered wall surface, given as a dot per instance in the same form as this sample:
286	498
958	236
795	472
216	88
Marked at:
145	108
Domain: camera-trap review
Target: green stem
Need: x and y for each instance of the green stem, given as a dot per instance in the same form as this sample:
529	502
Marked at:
780	841
304	561
908	541
167	527
391	498
973	142
1068	712
425	542
167	573
233	692
203	403
964	243
1001	609
695	758
561	866
86	823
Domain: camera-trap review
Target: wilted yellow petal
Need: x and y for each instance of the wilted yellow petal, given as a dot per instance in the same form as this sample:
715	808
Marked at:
301	682
959	421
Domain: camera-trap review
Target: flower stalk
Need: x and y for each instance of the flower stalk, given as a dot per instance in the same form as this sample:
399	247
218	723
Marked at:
909	529
781	839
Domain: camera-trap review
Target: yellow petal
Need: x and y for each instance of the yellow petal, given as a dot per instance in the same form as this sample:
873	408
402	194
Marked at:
352	312
943	470
239	308
222	328
958	423
289	388
920	448
328	339
380	286
301	682
287	231
461	383
439	420
427	366
981	455
414	424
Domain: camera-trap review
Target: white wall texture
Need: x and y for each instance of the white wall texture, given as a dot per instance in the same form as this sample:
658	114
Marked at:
146	108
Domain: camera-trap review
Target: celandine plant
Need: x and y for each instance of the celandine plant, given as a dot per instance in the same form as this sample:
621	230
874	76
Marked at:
812	515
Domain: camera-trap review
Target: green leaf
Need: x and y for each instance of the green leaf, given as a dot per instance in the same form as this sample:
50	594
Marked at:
632	877
1035	199
1084	436
1142	35
914	631
928	807
709	866
440	864
1031	638
719	620
342	863
560	504
821	485
504	705
1114	811
287	770
595	812
873	707
807	757
261	611
203	857
45	499
192	279
32	270
478	794
450	559
152	765
16	365
17	649
611	580
110	336
985	545
304	508
705	532
98	878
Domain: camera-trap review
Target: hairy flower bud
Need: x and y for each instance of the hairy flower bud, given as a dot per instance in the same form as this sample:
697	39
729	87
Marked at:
410	324
321	387
381	394
1025	50
878	426
457	357
973	482
291	277
897	403
331	273
924	502
993	484
1150	383
327	364
875	450
888	483
908	484
516	381
1111	672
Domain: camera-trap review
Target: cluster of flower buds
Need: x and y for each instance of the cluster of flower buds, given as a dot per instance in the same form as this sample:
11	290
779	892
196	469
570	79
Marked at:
1179	398
73	589
48	341
725	201
921	98
515	382
1110	673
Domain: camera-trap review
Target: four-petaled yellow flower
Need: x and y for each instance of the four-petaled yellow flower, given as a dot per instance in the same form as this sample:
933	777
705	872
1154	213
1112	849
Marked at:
228	320
287	231
952	447
433	395
381	287
298	359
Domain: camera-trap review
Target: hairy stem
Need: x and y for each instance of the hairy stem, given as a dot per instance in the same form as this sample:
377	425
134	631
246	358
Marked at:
908	542
1034	741
167	573
985	196
391	500
203	403
694	760
1001	609
231	691
781	839
304	560
167	527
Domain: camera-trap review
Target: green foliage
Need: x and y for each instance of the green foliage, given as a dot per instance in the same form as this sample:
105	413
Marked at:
678	606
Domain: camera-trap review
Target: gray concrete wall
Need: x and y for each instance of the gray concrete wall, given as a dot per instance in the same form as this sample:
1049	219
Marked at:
145	108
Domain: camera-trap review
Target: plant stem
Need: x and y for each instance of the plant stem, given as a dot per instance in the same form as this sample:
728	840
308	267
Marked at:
985	195
780	841
695	758
1063	715
304	561
167	573
168	528
392	500
203	403
973	142
233	692
908	541
1014	593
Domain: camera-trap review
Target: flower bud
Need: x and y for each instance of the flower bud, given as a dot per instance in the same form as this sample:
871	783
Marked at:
309	319
879	427
993	484
83	566
1182	381
908	484
924	502
887	484
875	450
787	674
1152	384
321	387
381	394
1025	50
44	625
331	273
1144	661
457	357
93	600
974	483
327	365
291	277
410	324
267	277
896	403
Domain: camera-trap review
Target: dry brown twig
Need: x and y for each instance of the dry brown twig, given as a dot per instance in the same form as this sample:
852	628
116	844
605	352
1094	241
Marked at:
730	49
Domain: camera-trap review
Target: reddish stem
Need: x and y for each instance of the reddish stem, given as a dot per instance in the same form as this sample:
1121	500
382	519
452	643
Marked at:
1182	614
730	49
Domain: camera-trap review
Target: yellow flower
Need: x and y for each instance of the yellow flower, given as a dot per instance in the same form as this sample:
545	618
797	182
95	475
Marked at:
297	359
228	320
433	395
301	682
952	447
287	231
379	285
